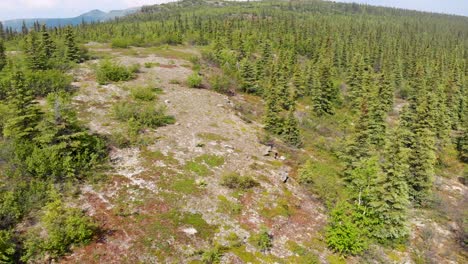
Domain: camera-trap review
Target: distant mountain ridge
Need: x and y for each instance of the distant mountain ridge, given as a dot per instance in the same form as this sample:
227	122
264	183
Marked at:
88	17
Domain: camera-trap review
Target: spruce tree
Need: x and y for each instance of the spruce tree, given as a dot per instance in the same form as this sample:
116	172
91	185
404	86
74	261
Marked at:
48	45
421	162
3	59
290	131
272	119
298	83
462	146
72	52
2	31
35	56
324	96
24	28
389	197
26	114
386	91
377	115
247	74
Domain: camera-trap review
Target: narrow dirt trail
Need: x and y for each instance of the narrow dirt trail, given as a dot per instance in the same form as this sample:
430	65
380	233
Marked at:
153	190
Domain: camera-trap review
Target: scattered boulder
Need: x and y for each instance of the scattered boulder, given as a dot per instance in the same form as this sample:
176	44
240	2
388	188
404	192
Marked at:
190	231
284	176
267	151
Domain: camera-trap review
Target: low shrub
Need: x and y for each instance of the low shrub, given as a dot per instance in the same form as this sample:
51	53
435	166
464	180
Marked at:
194	81
146	114
142	93
63	227
44	82
120	43
220	83
7	247
113	72
263	240
233	180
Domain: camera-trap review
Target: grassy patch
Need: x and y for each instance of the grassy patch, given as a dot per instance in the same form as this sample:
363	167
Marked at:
281	208
234	180
198	168
228	207
212	137
185	186
157	155
211	160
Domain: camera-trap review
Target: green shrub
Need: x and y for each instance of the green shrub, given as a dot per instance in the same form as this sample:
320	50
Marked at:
120	43
49	81
322	181
149	65
63	227
194	81
263	240
213	255
142	93
343	234
112	72
7	247
145	114
220	83
233	180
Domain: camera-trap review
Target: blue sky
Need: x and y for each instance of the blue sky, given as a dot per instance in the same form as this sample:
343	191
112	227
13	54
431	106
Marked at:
459	7
10	9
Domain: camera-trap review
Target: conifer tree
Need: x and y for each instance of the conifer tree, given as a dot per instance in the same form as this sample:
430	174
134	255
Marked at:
3	59
290	131
72	51
462	146
35	56
247	74
377	114
23	124
386	91
272	119
47	43
24	28
389	197
324	97
421	162
298	83
2	31
263	64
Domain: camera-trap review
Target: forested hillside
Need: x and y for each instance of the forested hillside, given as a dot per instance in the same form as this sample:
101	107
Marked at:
237	132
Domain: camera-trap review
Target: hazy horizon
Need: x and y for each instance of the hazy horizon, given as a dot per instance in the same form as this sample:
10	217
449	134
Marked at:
23	9
451	7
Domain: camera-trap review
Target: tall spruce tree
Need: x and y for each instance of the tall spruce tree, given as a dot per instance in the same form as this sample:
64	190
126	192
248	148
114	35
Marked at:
290	131
247	74
72	51
48	45
26	113
2	31
3	59
389	197
35	56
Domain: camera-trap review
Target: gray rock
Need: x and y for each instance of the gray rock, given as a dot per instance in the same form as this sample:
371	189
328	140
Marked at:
267	151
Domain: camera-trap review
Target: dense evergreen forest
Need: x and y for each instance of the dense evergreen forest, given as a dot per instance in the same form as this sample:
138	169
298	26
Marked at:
370	102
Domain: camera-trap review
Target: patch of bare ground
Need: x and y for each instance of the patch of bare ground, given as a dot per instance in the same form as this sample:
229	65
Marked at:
161	203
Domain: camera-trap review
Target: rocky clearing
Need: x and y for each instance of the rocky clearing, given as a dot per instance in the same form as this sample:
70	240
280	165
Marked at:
163	201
